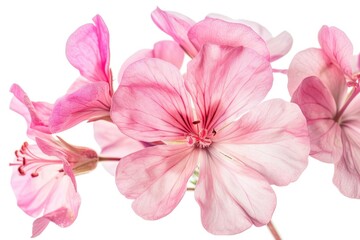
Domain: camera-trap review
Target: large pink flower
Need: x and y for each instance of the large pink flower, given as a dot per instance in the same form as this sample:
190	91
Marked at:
222	31
43	179
325	84
212	121
89	98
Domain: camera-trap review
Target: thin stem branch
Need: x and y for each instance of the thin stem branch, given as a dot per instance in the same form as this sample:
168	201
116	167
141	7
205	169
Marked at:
108	159
273	231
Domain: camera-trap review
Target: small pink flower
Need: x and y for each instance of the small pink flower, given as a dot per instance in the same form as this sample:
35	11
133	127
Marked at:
89	98
43	179
221	30
212	121
325	84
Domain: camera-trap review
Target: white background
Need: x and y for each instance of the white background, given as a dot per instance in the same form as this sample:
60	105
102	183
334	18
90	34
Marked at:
32	53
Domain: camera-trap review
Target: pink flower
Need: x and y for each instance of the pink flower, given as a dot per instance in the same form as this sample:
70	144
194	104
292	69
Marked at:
43	179
89	98
44	183
210	121
319	81
222	31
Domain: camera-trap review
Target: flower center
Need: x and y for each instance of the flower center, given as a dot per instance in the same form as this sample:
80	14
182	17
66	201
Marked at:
29	162
201	138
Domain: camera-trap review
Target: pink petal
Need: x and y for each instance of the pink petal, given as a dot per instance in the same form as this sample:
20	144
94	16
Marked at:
313	62
337	47
347	170
279	45
319	108
272	139
151	103
114	143
231	195
169	51
87	49
166	50
90	102
226	88
36	114
156	177
220	32
177	26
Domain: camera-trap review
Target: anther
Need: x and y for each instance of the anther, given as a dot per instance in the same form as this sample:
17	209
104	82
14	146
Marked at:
196	122
34	174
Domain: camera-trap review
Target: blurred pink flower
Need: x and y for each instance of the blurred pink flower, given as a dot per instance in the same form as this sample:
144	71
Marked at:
43	178
211	119
320	82
221	30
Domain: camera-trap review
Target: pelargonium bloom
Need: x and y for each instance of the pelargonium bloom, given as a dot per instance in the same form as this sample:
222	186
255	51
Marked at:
210	121
43	179
89	98
325	84
222	31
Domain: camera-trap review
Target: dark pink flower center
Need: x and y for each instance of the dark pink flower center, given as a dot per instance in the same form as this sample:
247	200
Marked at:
200	138
28	162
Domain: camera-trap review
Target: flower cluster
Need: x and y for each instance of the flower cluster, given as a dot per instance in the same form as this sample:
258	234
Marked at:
167	126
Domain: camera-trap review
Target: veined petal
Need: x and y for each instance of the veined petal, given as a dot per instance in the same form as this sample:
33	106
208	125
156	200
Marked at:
279	45
319	108
36	114
90	102
156	177
272	139
177	26
231	195
62	208
169	51
337	47
151	103
220	32
347	170
87	49
225	82
313	62
114	143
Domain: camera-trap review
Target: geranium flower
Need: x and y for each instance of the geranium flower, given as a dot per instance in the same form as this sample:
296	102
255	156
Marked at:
89	98
211	122
43	179
221	30
325	84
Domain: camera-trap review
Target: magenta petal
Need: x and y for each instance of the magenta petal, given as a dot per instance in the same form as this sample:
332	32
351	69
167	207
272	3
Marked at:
313	62
319	108
36	114
337	47
87	49
177	26
156	177
231	195
272	139
220	32
151	103
226	88
90	102
114	143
